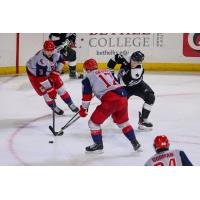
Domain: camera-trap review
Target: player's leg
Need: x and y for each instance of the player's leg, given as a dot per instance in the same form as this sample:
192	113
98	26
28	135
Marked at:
42	92
71	58
149	99
120	117
101	113
145	92
52	104
59	86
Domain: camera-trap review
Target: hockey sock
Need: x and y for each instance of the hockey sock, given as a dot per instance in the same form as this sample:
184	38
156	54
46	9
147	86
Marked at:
66	98
51	104
146	111
129	133
97	136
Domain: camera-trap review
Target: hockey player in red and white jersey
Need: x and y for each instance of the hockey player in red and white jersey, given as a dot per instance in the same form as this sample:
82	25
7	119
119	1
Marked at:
112	95
43	72
166	157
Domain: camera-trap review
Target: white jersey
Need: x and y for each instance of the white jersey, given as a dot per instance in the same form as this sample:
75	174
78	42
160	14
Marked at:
101	82
40	65
169	158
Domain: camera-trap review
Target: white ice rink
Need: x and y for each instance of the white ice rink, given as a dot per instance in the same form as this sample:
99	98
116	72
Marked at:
24	121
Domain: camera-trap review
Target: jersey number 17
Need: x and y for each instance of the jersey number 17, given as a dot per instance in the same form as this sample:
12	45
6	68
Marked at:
107	79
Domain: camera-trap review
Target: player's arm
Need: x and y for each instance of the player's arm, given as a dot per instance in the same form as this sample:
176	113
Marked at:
60	62
56	38
71	37
86	97
117	59
121	74
86	93
185	160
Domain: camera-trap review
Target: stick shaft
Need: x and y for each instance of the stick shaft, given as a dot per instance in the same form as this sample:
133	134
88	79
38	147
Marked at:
54	115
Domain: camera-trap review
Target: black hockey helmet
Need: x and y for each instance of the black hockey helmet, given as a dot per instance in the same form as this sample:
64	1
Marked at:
137	56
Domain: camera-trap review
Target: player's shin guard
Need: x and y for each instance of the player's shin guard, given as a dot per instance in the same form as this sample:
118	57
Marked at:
146	111
97	136
129	132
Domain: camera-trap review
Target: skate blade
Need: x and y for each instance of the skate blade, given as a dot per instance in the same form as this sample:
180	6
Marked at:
94	152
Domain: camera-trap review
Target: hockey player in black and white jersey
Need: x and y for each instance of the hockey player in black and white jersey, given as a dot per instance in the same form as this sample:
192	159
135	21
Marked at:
65	43
131	74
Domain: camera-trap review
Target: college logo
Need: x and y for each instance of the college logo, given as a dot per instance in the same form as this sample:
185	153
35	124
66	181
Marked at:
191	44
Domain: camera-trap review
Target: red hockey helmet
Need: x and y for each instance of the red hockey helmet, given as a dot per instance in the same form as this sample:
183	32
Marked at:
90	65
49	45
161	142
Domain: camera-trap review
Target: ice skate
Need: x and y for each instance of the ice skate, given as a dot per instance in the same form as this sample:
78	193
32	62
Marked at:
73	108
97	148
136	145
143	124
58	111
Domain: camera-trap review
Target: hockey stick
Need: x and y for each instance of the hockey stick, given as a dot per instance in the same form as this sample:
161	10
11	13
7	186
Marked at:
66	43
69	123
54	115
53	119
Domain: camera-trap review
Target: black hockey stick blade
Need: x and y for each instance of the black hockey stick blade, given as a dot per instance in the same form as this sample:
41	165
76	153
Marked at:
52	130
55	133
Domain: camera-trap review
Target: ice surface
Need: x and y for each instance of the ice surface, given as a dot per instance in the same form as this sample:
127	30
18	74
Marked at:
24	121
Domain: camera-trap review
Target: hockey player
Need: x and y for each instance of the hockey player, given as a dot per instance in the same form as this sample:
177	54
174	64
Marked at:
113	103
166	157
131	74
42	70
65	43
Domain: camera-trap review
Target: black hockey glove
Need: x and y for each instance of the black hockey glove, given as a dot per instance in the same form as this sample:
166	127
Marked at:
72	37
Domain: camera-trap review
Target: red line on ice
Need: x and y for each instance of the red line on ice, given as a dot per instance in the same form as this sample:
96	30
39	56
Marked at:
12	137
17	131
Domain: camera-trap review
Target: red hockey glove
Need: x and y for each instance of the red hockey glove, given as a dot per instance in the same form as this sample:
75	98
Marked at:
52	93
83	112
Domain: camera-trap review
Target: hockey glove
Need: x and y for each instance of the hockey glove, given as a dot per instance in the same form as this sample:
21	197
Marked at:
83	112
52	93
120	74
72	38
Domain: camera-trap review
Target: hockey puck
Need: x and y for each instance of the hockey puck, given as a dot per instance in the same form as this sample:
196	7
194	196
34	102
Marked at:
51	141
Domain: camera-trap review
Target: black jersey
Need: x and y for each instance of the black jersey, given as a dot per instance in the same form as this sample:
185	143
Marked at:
61	38
126	75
